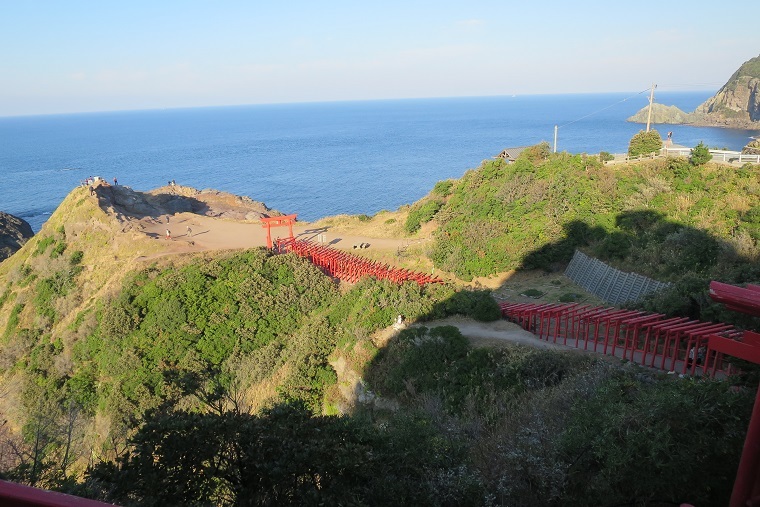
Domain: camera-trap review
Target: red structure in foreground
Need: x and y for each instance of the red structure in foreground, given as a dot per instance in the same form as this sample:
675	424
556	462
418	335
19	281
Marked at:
16	495
269	222
746	300
350	267
674	344
649	339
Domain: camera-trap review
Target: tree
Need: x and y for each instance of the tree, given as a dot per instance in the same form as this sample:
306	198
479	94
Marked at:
644	143
700	154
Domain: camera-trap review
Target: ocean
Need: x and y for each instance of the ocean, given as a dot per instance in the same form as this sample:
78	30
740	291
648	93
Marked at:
314	159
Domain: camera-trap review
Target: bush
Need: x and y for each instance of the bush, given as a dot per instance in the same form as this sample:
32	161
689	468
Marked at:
421	213
645	143
443	188
606	156
700	154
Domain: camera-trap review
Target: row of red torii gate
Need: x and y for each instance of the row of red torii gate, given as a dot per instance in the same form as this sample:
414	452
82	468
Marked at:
675	344
338	263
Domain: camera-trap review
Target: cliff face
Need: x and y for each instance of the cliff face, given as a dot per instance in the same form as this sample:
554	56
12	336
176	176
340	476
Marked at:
738	101
736	105
14	232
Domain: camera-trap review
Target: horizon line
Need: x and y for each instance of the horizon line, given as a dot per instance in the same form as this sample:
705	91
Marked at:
336	101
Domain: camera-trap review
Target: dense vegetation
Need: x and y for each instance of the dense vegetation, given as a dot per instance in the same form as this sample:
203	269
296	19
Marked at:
666	218
222	380
476	427
235	332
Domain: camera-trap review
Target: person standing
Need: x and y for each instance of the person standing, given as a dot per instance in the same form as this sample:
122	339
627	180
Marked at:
189	231
168	234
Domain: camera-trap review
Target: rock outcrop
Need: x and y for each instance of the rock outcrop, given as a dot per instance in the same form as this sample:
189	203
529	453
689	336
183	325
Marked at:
738	101
753	148
736	105
14	232
123	201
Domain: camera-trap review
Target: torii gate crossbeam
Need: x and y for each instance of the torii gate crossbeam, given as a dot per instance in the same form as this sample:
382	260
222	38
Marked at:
282	221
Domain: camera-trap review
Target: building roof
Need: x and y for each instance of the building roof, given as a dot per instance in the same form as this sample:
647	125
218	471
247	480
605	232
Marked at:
511	154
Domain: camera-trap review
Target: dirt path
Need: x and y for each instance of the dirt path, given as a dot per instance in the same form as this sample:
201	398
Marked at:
493	333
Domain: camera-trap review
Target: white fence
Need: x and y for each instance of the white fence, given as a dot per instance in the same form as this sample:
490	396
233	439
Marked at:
731	157
607	283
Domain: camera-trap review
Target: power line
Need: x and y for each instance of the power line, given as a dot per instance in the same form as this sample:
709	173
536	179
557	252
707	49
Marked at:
603	109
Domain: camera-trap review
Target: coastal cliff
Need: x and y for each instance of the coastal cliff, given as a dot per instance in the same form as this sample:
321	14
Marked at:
14	232
735	105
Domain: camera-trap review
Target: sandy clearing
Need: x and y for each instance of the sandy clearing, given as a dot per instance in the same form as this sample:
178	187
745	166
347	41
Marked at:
210	233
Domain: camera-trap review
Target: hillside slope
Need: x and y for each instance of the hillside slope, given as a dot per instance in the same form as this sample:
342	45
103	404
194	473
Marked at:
666	219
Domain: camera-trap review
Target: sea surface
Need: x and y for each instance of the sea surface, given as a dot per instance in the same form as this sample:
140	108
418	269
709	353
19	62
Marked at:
315	159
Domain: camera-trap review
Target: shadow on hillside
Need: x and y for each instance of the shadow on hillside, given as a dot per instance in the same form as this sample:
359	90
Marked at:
133	204
647	243
129	203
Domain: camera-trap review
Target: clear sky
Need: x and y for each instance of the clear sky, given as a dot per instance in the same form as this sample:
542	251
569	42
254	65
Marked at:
59	56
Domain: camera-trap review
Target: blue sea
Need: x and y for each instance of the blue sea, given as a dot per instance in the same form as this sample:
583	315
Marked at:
314	159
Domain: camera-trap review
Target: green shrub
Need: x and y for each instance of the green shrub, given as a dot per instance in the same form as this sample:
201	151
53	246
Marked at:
43	245
76	257
605	156
644	143
700	154
443	188
60	247
421	213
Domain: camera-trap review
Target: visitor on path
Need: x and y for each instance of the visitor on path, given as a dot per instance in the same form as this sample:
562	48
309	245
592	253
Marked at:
167	219
690	361
168	234
189	231
701	353
115	182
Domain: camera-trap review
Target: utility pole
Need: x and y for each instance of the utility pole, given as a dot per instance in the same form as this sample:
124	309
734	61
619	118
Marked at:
555	138
651	99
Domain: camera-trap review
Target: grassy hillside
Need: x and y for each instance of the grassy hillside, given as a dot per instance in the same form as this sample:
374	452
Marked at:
666	219
145	378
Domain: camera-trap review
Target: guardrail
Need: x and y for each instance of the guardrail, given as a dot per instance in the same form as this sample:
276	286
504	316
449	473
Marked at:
731	157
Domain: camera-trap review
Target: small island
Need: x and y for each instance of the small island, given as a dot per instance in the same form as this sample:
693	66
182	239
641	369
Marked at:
736	105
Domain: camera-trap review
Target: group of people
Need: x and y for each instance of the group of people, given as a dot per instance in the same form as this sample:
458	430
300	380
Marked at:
169	233
701	353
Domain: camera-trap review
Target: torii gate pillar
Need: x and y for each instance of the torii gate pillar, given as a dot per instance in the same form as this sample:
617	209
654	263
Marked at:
745	300
269	222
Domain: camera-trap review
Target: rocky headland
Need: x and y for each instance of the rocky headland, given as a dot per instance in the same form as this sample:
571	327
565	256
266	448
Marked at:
14	232
736	105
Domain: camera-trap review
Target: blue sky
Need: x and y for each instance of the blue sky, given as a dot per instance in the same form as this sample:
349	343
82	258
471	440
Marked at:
80	56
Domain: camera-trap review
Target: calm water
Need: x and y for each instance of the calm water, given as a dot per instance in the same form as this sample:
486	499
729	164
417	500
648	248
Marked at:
313	159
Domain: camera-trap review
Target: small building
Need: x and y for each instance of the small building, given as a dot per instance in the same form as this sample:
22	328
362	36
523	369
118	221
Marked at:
511	154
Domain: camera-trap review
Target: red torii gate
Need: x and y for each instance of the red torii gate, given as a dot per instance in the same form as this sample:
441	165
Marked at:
747	484
269	222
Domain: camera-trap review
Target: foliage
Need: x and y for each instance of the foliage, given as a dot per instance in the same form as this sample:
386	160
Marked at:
661	218
606	156
421	213
286	456
644	143
439	361
700	154
536	153
442	188
693	431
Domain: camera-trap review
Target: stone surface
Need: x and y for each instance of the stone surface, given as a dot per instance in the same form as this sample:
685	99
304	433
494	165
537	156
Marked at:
14	232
